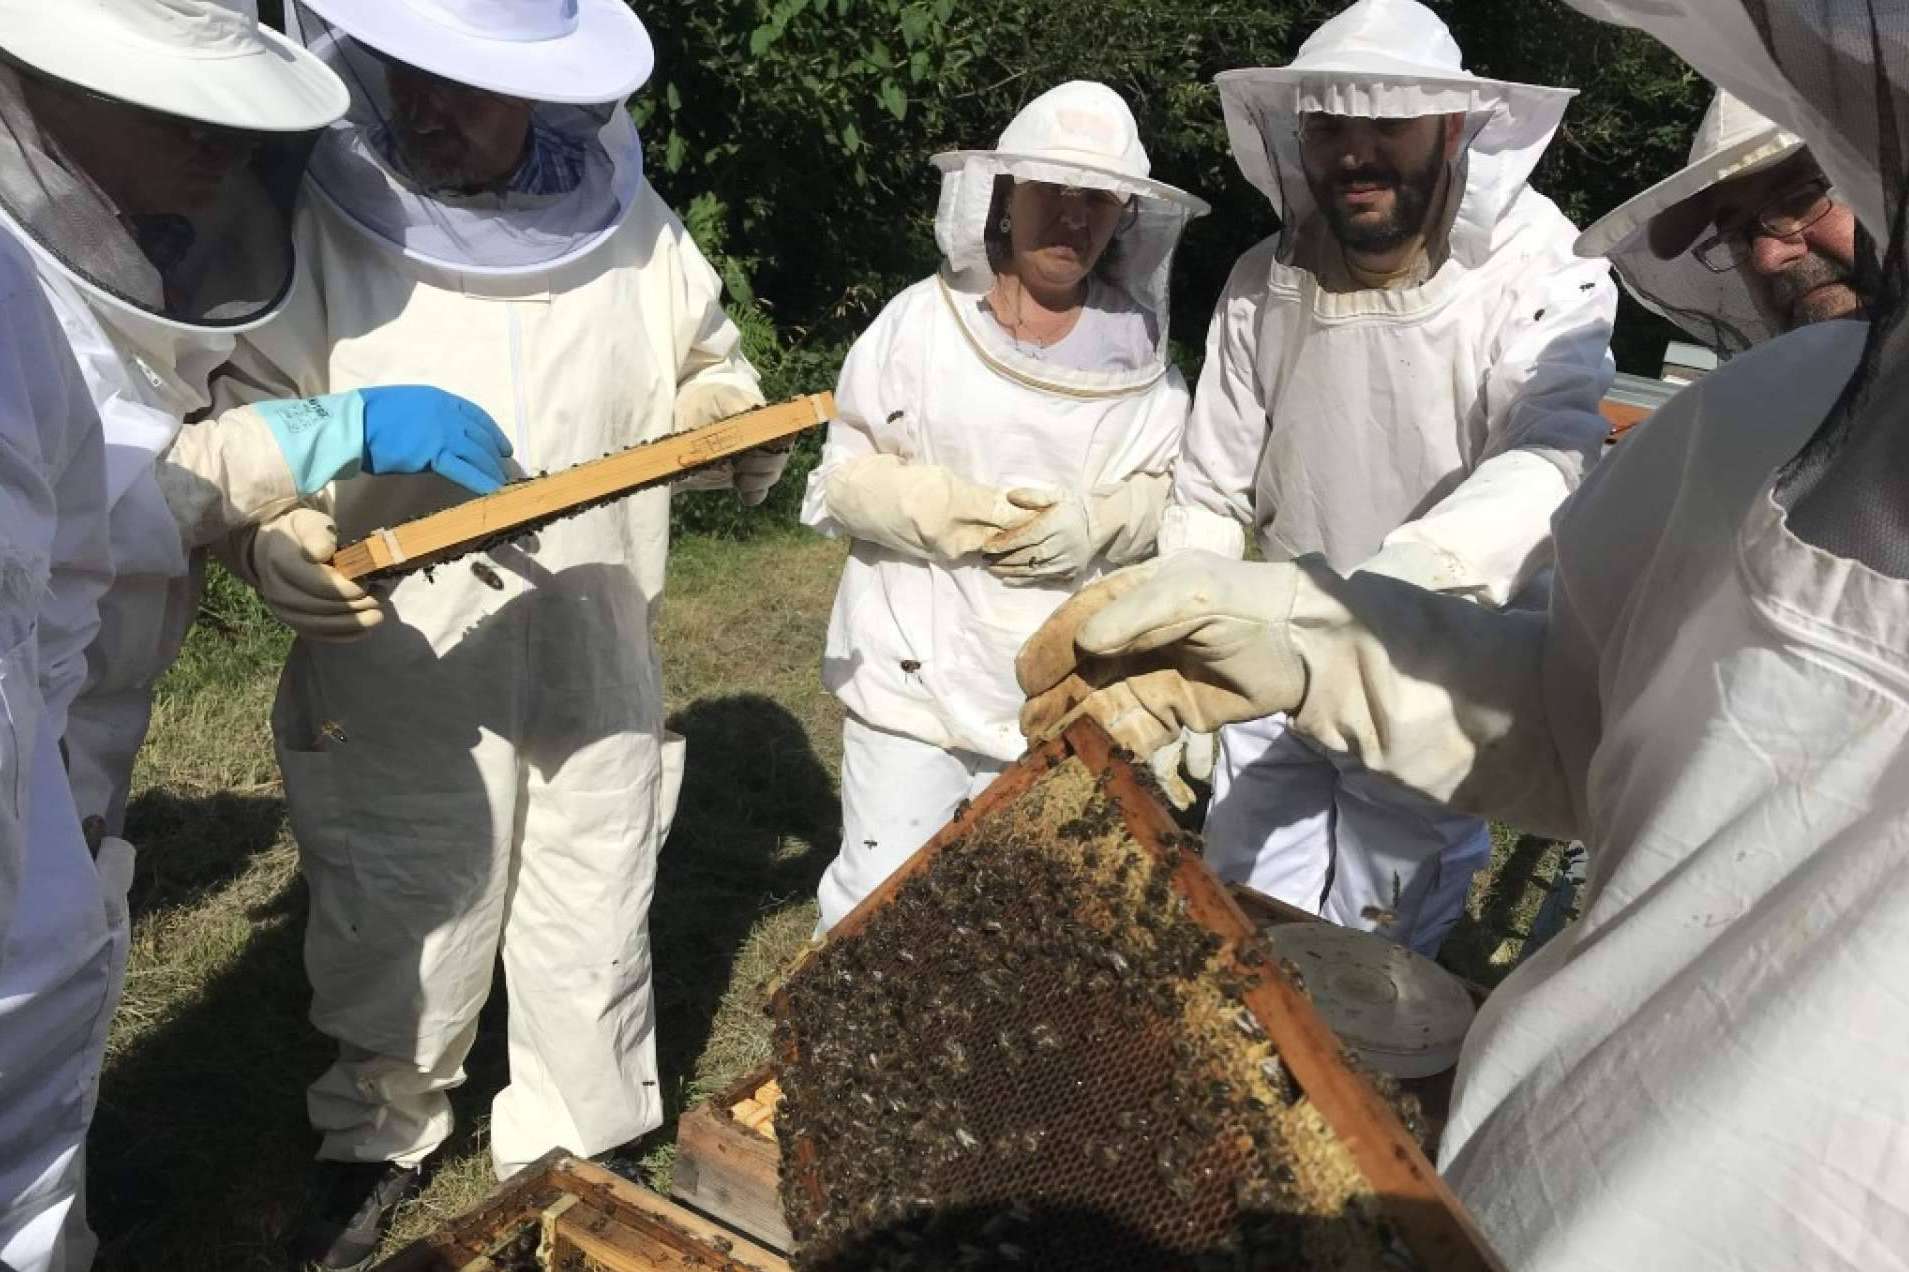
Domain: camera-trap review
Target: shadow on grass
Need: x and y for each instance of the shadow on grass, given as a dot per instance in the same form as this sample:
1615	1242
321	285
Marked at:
192	846
201	1147
1510	901
199	1144
757	823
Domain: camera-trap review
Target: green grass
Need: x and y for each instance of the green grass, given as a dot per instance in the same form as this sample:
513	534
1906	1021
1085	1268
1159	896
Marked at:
201	1147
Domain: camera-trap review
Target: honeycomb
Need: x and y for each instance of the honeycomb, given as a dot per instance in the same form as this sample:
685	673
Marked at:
1031	1056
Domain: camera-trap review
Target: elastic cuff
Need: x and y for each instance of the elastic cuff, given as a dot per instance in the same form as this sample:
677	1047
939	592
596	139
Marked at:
323	438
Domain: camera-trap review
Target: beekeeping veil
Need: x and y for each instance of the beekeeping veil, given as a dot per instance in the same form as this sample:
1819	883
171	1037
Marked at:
152	151
1719	308
1390	59
576	60
1079	136
1836	73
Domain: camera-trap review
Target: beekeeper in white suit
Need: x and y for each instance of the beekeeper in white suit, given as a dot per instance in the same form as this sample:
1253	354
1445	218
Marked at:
1746	241
1705	1070
1405	378
486	771
157	205
62	915
148	153
1004	433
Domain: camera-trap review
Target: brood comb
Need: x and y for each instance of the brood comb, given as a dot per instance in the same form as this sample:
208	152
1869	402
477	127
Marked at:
1052	1041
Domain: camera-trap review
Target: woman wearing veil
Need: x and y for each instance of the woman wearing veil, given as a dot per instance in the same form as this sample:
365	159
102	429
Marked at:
1005	431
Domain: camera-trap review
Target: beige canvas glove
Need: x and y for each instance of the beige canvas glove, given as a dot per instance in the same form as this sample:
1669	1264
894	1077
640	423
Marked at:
1443	695
751	474
922	510
1119	523
1149	651
290	560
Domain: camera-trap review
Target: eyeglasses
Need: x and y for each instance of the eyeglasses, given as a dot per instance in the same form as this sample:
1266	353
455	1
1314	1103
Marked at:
1784	216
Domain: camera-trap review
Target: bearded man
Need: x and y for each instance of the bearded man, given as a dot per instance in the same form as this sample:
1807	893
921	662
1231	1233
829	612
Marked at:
1405	378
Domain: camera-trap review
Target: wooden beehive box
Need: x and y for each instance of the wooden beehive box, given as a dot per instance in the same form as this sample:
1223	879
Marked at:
566	1215
730	1168
1052	1040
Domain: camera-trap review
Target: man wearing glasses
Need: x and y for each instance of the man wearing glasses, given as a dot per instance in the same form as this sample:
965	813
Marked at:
1746	242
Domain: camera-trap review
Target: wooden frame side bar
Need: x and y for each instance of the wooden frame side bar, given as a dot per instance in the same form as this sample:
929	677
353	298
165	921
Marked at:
1435	1224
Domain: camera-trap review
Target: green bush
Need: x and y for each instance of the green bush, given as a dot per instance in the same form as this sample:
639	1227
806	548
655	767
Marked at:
801	129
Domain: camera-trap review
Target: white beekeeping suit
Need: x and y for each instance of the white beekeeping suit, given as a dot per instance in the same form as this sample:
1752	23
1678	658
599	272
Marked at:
942	413
1719	308
1704	1070
143	297
62	913
150	296
487	770
1424	431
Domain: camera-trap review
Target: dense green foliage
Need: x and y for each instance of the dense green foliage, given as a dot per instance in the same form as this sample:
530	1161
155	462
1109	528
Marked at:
794	135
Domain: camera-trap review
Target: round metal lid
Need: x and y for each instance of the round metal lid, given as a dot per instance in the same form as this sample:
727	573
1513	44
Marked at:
1401	1012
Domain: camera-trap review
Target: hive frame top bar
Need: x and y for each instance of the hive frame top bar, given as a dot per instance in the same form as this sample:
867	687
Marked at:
1433	1222
522	506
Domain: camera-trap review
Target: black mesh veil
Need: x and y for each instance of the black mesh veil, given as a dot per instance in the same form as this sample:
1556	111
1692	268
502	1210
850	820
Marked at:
582	175
177	219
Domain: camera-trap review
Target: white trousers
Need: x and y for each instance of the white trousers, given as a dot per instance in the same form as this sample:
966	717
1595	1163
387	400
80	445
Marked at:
60	979
412	906
896	793
1324	833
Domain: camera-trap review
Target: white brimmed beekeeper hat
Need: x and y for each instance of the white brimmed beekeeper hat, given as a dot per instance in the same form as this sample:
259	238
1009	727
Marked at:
571	51
1389	59
195	59
1720	309
78	78
1078	135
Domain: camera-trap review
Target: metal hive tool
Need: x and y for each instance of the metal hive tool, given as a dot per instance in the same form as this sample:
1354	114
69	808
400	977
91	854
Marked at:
1051	1041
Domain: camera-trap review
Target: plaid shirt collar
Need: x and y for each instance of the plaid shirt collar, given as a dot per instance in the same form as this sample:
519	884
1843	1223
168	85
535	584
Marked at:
552	165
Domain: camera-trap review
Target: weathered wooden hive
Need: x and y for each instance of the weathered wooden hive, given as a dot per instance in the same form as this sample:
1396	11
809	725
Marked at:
1052	1041
565	1215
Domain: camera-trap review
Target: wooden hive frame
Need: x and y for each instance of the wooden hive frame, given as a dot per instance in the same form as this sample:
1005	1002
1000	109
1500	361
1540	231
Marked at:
728	1166
1408	1190
576	1215
524	505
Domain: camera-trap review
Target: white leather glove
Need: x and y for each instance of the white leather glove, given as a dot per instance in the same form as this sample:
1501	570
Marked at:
1149	651
1119	522
922	510
1189	756
750	474
290	561
1443	695
1051	546
1422	565
757	472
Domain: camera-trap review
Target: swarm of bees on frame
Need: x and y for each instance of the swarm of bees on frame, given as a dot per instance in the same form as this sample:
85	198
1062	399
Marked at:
1033	1056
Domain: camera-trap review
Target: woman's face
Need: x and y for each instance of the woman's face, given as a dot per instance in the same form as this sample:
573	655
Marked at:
1057	233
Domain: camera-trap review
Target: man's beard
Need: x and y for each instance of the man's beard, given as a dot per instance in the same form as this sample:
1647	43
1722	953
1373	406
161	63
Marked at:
1412	194
1792	291
434	169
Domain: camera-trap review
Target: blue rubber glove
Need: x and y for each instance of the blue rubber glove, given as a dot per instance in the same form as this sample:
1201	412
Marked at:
403	428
